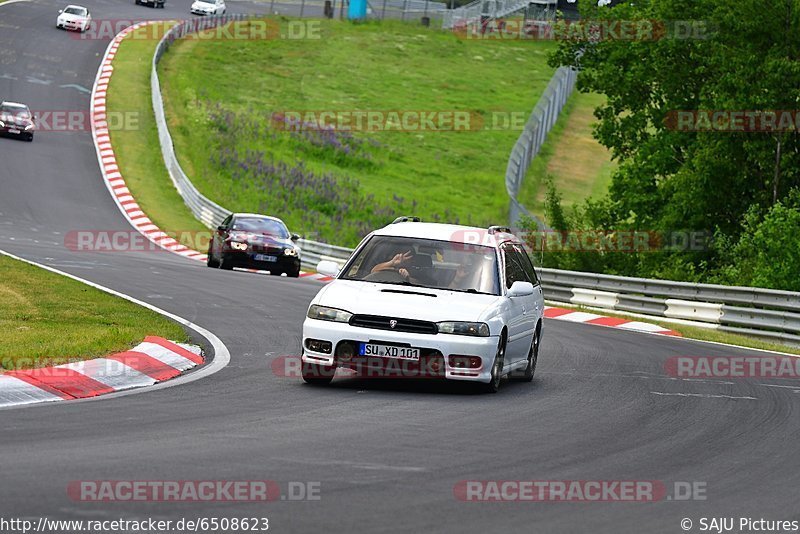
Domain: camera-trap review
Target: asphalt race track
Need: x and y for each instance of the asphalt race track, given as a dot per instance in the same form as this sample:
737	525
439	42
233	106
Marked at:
387	454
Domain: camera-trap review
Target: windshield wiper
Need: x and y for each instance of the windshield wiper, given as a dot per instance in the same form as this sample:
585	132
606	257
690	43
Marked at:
473	291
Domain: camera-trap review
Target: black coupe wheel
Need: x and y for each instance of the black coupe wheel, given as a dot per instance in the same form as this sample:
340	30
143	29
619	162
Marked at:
225	263
210	261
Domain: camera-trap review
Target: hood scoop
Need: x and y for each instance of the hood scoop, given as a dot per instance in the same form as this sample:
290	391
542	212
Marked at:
406	292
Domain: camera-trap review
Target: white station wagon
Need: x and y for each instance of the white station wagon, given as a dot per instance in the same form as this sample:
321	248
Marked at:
428	300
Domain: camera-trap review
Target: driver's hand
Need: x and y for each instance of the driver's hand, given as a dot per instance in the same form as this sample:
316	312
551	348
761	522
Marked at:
403	273
397	260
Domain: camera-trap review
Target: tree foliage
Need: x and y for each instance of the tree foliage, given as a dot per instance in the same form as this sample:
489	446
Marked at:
741	55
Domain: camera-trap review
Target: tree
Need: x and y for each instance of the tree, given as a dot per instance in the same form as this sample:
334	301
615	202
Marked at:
728	55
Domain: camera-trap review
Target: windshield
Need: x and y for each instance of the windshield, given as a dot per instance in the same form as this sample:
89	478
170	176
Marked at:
212	2
16	111
261	226
426	263
75	11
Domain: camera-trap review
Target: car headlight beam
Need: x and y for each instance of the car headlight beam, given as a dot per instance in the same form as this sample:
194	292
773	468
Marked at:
463	328
324	313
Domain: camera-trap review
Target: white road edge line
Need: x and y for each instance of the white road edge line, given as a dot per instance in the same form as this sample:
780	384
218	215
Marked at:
9	2
222	355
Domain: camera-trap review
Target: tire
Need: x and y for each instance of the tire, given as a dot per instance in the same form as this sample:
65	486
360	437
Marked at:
317	375
225	263
526	375
497	367
293	274
30	138
211	262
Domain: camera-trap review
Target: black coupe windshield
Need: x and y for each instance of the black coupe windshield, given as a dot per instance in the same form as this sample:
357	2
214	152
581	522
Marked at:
261	226
426	263
16	111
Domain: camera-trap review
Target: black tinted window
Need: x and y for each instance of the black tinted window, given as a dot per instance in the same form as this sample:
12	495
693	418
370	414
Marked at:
514	270
527	265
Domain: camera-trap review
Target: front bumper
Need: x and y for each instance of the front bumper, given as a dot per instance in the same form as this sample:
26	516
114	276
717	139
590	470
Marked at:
16	131
70	25
439	346
201	12
246	259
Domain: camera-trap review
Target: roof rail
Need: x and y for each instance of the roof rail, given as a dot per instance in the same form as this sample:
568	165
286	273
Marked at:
499	230
406	218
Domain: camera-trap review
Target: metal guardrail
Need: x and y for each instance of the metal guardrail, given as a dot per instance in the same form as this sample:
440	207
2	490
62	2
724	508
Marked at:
532	138
767	313
205	210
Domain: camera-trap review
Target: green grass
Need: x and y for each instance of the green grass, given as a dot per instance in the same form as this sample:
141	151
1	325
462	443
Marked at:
373	66
695	332
579	166
137	149
48	319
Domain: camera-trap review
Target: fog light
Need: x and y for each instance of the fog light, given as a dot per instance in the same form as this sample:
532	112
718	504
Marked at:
317	345
464	362
345	352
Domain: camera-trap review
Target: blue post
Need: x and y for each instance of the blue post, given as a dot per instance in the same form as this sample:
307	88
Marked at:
357	10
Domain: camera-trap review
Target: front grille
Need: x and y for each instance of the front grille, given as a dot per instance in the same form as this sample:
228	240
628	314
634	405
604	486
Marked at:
265	249
385	323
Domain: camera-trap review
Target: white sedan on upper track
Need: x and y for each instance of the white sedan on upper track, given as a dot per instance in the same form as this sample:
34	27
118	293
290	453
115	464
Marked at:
74	18
208	7
434	300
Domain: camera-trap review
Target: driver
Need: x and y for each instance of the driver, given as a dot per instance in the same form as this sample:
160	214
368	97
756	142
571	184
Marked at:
410	266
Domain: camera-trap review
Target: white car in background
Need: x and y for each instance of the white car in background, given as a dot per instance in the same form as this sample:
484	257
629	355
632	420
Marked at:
463	303
74	18
208	7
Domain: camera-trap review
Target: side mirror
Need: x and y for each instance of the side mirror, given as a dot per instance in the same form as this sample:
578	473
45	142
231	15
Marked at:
520	289
295	237
60	10
328	268
221	228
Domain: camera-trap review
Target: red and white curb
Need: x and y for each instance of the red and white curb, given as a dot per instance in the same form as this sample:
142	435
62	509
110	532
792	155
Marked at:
108	161
152	361
113	177
562	314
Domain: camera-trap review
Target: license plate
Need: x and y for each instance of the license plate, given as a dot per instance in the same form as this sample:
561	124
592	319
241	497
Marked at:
264	257
388	351
13	130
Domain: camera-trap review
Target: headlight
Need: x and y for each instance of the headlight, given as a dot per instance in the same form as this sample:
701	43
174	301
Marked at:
464	329
2	124
323	313
28	127
290	252
238	246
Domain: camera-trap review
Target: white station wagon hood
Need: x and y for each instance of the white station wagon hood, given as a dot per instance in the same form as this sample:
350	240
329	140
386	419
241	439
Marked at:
410	302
